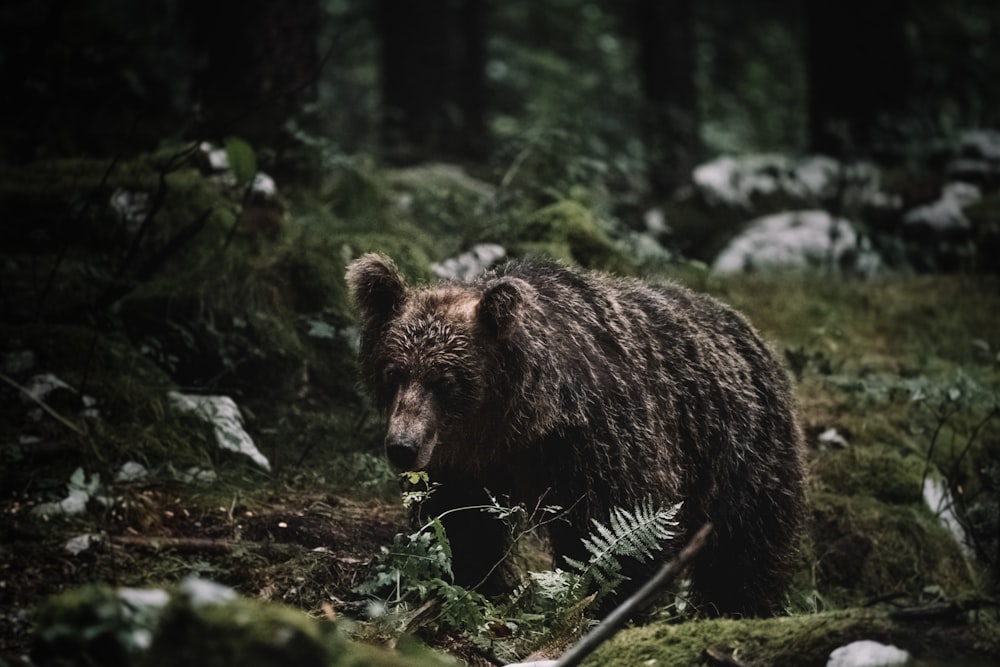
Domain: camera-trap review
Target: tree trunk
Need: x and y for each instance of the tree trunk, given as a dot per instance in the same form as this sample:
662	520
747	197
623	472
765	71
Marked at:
666	51
858	72
433	78
260	63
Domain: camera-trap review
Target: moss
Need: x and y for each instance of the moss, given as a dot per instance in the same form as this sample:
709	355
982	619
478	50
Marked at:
866	549
247	632
413	259
240	632
443	200
569	232
357	191
90	625
130	393
72	248
793	641
103	626
870	471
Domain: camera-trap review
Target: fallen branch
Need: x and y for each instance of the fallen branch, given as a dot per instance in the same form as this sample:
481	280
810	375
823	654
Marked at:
616	619
940	612
44	406
188	544
210	545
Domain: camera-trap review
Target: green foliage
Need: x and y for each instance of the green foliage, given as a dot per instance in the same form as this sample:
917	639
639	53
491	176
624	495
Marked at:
568	231
416	569
242	160
634	534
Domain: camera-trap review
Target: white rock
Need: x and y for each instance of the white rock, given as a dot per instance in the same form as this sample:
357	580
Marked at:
812	179
795	240
867	653
945	214
131	471
77	545
38	387
830	437
470	264
201	592
222	412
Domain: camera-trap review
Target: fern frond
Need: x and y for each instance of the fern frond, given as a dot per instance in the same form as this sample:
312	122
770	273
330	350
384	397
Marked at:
634	534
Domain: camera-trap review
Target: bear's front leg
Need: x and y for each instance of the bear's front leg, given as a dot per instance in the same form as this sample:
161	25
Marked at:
480	543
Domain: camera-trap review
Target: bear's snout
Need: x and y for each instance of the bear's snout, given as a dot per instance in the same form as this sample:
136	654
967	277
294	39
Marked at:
401	451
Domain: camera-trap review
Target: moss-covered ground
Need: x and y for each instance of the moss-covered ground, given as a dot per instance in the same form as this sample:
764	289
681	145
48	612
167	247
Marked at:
898	381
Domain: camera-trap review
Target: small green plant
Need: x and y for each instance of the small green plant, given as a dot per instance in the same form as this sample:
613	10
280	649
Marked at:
416	571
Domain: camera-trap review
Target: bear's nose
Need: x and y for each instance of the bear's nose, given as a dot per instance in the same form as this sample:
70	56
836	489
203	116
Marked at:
401	452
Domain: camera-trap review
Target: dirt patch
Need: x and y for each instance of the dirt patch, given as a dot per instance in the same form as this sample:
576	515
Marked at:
306	548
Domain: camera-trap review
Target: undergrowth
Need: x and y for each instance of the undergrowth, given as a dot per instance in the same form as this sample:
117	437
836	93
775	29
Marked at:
410	584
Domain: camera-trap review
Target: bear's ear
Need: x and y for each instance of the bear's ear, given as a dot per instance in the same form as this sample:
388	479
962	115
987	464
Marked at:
375	285
501	307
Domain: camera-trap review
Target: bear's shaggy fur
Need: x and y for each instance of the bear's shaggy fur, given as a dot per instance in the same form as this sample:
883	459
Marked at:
587	391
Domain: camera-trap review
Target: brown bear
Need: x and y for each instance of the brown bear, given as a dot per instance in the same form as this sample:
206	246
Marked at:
549	384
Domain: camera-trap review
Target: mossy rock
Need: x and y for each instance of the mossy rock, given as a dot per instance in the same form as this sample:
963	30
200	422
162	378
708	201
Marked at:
793	641
250	319
413	259
877	472
569	232
199	624
130	394
241	632
864	549
357	190
88	229
92	625
446	202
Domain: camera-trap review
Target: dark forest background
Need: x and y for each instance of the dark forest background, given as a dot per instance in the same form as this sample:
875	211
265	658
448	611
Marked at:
646	83
182	184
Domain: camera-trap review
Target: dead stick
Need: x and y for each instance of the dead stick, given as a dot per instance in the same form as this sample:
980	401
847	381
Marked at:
616	619
43	405
207	544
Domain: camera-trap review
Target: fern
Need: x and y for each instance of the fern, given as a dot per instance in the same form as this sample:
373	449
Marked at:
634	534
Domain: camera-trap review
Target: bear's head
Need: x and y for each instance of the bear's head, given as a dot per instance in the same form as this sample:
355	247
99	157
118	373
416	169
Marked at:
437	359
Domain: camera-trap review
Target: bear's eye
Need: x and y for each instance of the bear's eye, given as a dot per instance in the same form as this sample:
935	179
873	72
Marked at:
443	385
394	376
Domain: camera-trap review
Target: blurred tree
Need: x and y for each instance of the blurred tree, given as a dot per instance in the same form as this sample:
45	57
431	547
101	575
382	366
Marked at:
92	77
258	61
858	68
751	94
433	58
666	57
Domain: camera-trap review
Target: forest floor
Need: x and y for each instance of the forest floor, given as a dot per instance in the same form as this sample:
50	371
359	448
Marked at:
905	371
126	289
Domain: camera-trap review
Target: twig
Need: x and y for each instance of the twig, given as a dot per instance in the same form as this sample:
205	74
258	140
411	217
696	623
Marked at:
616	619
938	612
943	418
43	405
953	472
189	544
209	545
61	255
